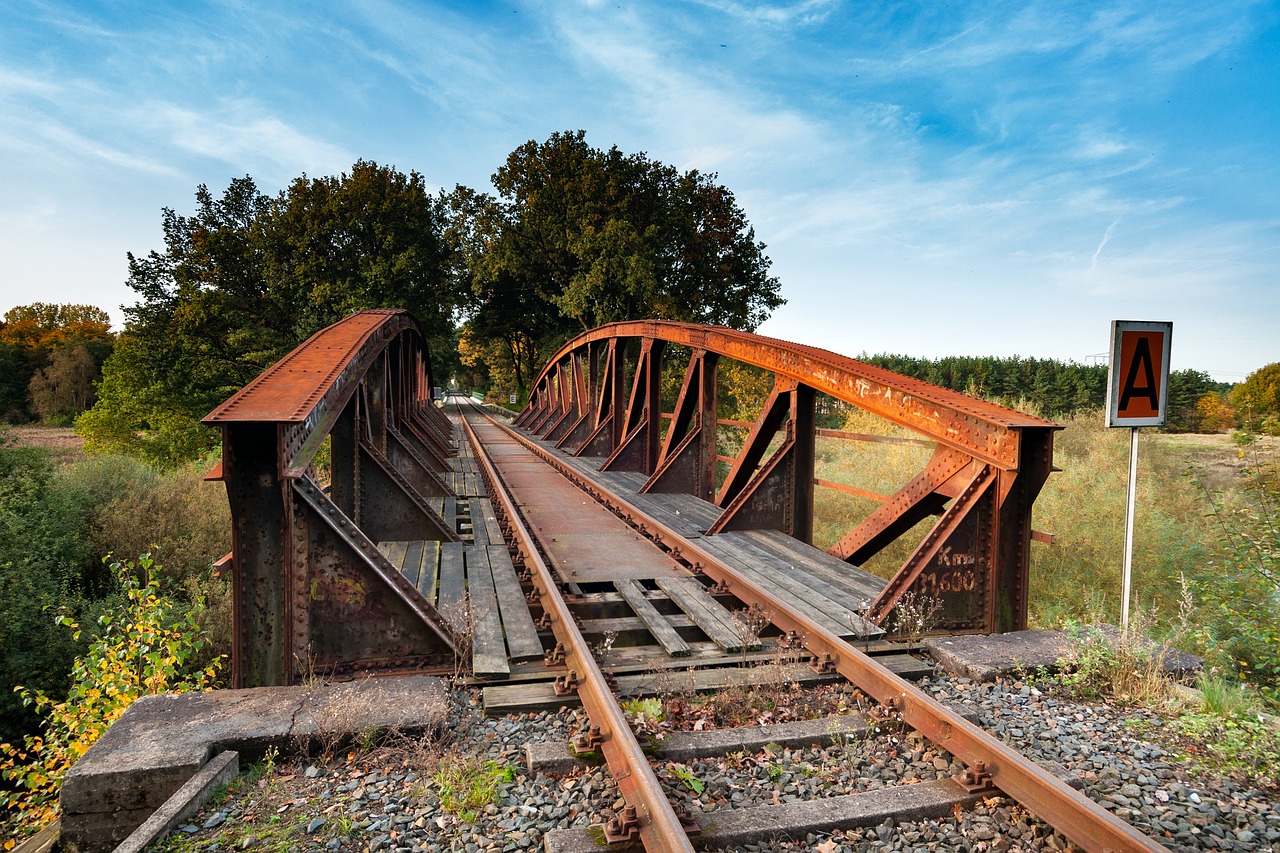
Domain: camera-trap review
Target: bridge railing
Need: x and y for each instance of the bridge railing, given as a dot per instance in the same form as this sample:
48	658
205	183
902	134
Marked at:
645	396
311	591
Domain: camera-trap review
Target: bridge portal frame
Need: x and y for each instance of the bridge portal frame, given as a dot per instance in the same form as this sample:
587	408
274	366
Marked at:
311	592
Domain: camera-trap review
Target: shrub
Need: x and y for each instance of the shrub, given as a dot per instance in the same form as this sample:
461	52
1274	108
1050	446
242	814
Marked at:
146	646
1240	593
179	517
43	560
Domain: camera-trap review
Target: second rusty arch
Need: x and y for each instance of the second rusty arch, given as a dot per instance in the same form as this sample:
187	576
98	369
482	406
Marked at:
601	396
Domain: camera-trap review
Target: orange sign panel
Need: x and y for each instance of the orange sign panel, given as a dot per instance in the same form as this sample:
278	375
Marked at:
1138	387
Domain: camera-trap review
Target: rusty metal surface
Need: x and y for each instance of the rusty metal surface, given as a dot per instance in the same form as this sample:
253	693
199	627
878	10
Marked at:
658	826
309	588
982	429
769	481
288	391
1075	815
583	546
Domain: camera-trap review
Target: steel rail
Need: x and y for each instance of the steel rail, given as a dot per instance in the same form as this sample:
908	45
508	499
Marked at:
1074	815
659	828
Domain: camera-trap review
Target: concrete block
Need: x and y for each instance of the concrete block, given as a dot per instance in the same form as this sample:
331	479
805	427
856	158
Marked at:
162	741
983	658
185	802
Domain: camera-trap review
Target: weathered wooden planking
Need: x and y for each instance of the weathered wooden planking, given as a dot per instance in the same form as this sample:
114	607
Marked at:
452	582
493	530
479	533
818	562
394	552
523	643
428	578
772	575
411	567
662	508
514	698
658	626
712	617
653	658
841	591
450	513
488	651
627	625
837	601
506	699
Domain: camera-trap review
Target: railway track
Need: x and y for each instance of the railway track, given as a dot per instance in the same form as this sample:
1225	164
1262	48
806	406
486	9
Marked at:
557	516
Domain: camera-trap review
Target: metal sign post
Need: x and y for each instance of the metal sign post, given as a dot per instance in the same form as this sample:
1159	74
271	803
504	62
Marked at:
1137	396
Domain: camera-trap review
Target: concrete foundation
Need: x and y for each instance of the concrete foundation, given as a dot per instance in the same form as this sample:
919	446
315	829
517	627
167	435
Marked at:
162	741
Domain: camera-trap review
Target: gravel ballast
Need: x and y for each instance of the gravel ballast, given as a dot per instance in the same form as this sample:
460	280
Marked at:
385	800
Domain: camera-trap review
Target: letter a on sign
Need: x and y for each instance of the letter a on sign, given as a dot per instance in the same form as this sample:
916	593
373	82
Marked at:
1138	382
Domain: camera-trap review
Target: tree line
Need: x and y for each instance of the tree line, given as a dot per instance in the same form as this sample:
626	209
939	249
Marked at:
1058	389
570	237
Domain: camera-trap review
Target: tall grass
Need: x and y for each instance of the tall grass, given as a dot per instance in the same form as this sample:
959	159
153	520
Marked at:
873	467
1078	577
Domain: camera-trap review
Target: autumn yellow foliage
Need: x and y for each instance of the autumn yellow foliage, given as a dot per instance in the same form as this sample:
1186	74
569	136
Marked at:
144	647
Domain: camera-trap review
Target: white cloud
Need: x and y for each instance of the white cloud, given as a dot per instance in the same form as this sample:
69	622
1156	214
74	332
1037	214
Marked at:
243	135
803	13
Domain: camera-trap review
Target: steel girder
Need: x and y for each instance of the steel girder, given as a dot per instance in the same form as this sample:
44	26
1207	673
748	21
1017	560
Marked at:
988	466
311	592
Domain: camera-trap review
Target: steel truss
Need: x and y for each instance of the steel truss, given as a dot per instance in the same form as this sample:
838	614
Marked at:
601	395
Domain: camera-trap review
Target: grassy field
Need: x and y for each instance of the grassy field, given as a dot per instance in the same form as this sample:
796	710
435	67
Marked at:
1077	578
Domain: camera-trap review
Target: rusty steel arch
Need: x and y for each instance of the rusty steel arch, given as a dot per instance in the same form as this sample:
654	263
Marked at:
311	592
600	395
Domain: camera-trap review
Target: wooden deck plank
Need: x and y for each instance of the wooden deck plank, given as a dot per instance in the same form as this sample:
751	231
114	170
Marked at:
523	643
411	567
540	695
452	583
837	601
819	563
479	532
512	698
394	551
488	650
428	580
711	616
773	578
493	530
658	626
450	514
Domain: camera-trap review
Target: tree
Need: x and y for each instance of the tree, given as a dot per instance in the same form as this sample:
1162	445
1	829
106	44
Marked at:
246	278
64	389
577	237
1257	399
32	336
1213	414
1186	387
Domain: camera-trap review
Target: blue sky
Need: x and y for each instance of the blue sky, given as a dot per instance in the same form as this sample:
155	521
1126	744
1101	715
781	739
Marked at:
931	179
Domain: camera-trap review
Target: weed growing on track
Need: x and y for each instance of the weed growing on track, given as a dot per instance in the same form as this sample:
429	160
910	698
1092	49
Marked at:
466	783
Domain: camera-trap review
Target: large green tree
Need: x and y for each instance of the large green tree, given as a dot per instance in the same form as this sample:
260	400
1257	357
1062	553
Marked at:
576	237
246	278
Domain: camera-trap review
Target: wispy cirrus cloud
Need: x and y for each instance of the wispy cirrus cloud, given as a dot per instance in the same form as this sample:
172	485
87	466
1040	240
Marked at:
239	133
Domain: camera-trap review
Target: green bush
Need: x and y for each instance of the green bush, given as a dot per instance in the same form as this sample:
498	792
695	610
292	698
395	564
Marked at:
1240	592
44	555
146	646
